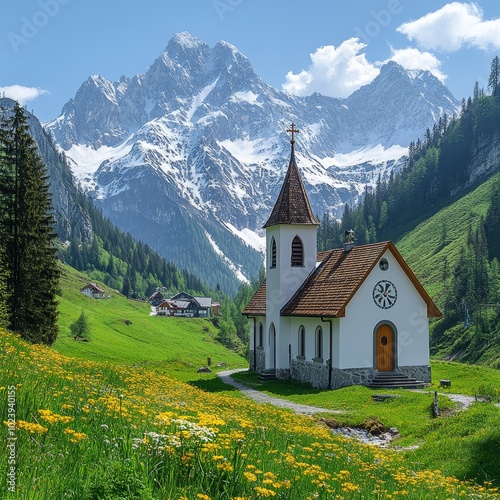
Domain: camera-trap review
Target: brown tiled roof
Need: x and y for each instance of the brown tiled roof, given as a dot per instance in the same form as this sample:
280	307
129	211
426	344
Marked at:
292	205
257	305
329	289
94	287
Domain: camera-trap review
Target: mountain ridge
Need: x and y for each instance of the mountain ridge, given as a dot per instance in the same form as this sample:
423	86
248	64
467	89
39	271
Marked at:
209	136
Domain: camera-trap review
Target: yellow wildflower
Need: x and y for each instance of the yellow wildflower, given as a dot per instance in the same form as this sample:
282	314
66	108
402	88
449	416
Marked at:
264	492
31	427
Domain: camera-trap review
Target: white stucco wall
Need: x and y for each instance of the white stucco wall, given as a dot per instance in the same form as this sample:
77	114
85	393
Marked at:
310	325
408	315
283	281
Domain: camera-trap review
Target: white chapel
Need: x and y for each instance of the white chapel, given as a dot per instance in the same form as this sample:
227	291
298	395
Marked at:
352	315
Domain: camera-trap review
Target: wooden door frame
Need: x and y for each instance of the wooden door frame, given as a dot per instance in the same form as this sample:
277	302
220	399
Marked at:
392	326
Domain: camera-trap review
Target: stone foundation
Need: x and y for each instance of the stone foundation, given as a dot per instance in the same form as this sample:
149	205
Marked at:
419	372
351	376
283	374
316	374
260	364
309	372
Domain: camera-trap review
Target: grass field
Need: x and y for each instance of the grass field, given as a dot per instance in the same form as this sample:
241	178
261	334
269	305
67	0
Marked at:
92	430
425	249
463	443
122	331
126	415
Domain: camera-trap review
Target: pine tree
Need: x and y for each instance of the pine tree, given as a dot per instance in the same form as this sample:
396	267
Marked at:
4	311
494	78
80	329
27	237
492	222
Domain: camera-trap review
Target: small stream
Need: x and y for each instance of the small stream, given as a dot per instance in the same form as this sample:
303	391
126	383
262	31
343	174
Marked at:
383	440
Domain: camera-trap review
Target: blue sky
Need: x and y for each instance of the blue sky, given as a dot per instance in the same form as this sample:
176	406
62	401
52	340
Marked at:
49	47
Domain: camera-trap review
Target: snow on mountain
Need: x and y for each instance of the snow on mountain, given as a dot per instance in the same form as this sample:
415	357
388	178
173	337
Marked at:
200	132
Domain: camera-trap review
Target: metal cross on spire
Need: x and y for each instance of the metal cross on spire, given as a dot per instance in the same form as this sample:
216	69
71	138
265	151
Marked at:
293	131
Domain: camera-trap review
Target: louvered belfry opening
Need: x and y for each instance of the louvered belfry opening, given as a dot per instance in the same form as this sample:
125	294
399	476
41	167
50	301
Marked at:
273	254
297	252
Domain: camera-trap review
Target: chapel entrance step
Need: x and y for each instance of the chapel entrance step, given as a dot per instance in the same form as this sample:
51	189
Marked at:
269	374
391	380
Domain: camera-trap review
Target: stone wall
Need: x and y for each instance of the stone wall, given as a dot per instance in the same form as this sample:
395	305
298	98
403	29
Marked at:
419	372
309	372
351	376
260	360
316	374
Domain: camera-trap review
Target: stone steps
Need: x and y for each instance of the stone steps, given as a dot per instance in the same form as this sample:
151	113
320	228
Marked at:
269	374
391	380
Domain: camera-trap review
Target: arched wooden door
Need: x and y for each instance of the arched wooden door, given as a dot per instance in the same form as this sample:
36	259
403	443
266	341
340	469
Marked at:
384	346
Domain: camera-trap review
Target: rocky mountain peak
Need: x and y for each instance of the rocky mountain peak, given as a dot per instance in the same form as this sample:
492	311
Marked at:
201	134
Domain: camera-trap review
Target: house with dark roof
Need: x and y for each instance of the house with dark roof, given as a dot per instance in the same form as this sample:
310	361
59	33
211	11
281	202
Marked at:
186	305
156	298
95	291
354	315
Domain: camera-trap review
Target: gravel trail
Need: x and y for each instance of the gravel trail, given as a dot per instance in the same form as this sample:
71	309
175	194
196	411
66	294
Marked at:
261	397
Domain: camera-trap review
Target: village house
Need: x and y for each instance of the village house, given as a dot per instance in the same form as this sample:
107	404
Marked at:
94	291
156	298
348	316
185	305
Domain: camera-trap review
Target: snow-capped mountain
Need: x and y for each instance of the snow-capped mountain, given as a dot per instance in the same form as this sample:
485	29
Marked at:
190	156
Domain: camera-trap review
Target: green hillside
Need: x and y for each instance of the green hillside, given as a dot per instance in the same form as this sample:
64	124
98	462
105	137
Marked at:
122	331
439	239
434	250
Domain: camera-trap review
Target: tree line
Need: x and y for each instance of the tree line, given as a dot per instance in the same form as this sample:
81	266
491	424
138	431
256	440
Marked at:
29	272
30	247
436	169
124	264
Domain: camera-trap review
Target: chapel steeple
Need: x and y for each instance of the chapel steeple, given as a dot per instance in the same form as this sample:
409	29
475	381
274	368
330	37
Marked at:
292	205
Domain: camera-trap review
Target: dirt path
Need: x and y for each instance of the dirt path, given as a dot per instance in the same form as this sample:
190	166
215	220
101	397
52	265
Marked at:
360	435
261	397
463	400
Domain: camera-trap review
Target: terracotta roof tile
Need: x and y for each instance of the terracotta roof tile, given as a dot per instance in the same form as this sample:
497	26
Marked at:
257	305
329	289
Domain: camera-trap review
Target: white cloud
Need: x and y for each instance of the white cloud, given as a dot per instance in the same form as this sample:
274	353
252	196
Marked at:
21	93
334	71
411	58
453	26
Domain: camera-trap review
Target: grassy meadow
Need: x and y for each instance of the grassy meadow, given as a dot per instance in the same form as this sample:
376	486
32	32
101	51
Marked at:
463	444
122	331
439	238
127	416
96	430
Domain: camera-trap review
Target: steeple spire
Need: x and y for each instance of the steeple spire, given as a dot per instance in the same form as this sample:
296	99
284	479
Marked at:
292	205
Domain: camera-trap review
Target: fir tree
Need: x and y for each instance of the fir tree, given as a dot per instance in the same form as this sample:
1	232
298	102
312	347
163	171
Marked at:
80	329
494	78
27	237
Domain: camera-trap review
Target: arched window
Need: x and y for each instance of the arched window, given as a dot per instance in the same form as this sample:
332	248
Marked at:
260	339
297	252
302	342
319	343
273	253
